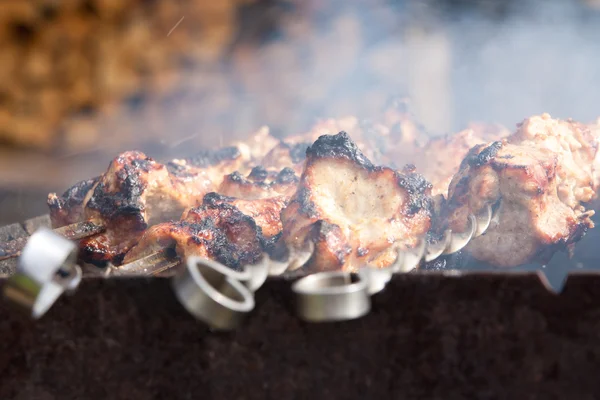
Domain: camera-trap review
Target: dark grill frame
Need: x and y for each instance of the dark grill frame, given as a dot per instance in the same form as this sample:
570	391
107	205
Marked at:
428	335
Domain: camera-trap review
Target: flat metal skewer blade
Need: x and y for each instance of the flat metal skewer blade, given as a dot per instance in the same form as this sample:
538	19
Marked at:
409	259
75	231
434	250
460	240
152	264
484	219
300	257
80	230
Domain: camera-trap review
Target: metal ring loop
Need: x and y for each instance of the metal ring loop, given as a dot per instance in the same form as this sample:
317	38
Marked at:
210	292
332	296
376	278
47	268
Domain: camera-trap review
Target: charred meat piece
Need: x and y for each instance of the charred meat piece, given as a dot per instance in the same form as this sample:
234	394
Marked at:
577	147
68	208
353	210
136	192
260	184
215	230
539	179
440	158
286	155
265	211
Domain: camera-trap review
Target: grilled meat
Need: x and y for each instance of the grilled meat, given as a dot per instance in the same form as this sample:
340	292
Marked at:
353	210
68	208
265	212
539	176
136	192
286	155
439	158
260	184
217	230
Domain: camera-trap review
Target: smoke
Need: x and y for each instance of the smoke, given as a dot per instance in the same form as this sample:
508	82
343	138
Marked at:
459	62
542	58
293	62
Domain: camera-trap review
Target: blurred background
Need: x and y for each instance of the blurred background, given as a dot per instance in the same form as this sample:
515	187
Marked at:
81	80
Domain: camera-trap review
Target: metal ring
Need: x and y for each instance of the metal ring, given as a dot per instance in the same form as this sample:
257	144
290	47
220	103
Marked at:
376	278
209	291
332	296
47	268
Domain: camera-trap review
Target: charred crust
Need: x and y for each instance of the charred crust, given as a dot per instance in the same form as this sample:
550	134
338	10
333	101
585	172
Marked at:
76	193
236	177
306	205
214	198
481	154
338	146
258	174
286	176
72	197
94	254
409	169
269	245
208	158
178	170
417	188
319	233
220	235
126	202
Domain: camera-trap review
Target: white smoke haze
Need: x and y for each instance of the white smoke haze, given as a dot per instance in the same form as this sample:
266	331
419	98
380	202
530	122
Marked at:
456	64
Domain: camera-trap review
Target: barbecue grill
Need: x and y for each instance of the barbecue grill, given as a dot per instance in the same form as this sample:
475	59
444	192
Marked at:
453	328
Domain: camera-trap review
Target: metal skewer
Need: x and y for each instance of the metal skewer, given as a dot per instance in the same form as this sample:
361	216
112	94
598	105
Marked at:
76	231
153	264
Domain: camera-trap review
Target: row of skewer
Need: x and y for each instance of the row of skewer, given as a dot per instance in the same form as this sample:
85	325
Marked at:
158	262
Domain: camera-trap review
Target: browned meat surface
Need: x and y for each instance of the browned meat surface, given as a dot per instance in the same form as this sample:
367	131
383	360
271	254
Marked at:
286	155
439	159
136	192
260	184
68	208
216	230
577	147
265	212
539	176
353	210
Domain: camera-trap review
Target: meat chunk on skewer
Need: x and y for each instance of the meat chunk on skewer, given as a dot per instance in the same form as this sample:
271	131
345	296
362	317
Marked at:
68	208
440	158
217	230
539	178
353	210
265	212
136	192
260	184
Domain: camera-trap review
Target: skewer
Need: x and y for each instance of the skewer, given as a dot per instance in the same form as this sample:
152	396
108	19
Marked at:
160	261
406	260
76	231
150	265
